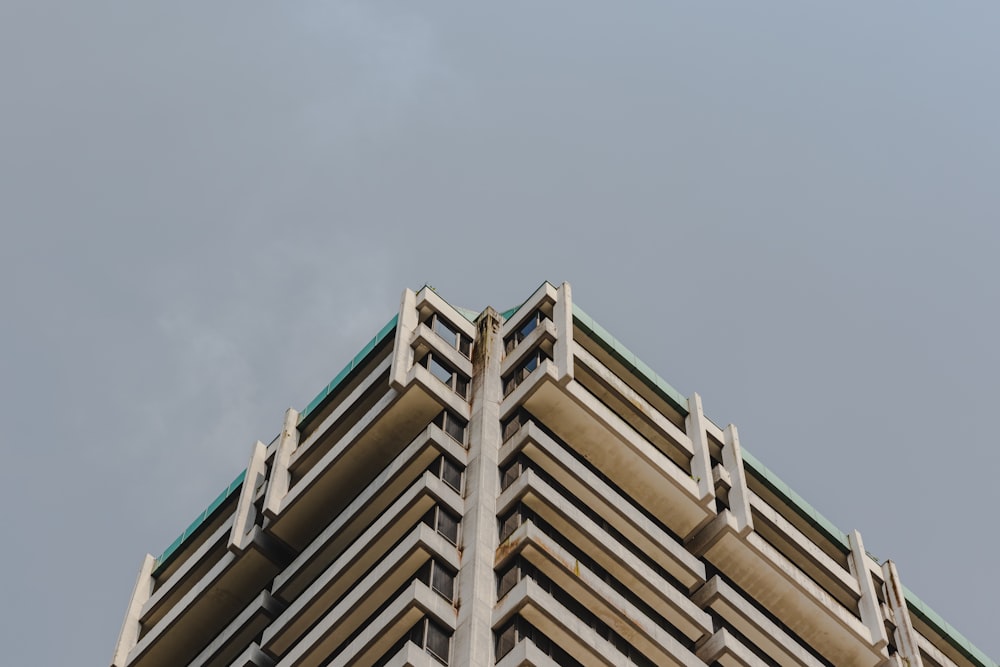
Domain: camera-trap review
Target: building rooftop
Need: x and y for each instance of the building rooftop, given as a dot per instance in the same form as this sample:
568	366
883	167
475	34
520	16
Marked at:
655	383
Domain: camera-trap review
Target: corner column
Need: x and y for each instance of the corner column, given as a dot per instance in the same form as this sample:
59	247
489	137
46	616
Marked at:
473	641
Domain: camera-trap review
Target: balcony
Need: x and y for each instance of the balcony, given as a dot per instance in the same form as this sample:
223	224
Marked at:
570	522
583	643
370	504
370	548
593	492
603	600
726	601
782	587
240	634
594	431
315	641
392	624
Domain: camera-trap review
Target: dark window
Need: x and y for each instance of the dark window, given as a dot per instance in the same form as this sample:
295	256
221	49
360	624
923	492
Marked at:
522	332
458	382
438	642
452	425
444	523
439	578
510	474
431	637
450	333
451	473
510	523
533	361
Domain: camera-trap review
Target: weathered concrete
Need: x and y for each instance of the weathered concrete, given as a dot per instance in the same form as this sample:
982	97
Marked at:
472	644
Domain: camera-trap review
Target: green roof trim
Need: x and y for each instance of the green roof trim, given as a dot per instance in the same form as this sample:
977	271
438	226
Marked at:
632	362
795	501
950	634
358	359
168	555
467	313
196	525
505	315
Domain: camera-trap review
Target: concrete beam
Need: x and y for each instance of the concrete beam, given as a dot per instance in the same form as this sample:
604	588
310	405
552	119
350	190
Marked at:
701	462
868	605
281	478
129	635
906	637
739	492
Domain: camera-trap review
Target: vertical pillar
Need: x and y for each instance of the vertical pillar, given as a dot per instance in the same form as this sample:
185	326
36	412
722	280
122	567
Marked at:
868	604
129	634
701	463
280	478
406	325
906	636
739	493
246	515
562	318
473	642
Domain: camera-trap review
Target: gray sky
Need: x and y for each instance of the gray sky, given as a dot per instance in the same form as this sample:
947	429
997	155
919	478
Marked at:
208	208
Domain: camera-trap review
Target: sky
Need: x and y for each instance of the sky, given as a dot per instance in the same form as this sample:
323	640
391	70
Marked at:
207	208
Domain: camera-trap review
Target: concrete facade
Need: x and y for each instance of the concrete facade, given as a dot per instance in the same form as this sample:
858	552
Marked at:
516	489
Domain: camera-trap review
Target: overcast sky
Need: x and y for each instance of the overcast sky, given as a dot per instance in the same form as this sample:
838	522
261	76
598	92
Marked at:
208	208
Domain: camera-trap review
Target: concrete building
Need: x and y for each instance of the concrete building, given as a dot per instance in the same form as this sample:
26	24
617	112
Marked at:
516	489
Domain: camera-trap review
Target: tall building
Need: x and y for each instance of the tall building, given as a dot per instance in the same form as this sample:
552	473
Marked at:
516	489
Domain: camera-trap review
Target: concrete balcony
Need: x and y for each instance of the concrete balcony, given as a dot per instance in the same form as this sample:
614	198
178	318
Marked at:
526	654
556	622
782	587
830	574
179	629
353	461
601	598
412	655
544	335
252	657
593	492
240	634
564	517
725	650
641	470
313	627
372	503
726	601
614	391
391	625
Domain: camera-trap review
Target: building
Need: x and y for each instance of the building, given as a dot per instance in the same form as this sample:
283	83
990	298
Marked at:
516	489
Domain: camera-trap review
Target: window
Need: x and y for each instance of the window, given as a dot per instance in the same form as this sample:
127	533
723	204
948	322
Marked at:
517	629
452	425
450	333
444	523
529	325
514	424
533	361
431	637
452	378
510	473
449	472
439	578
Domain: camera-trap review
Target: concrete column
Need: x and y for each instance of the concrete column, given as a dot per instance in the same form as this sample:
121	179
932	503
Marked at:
701	463
280	477
868	605
406	326
906	636
473	640
739	492
129	634
562	318
246	515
